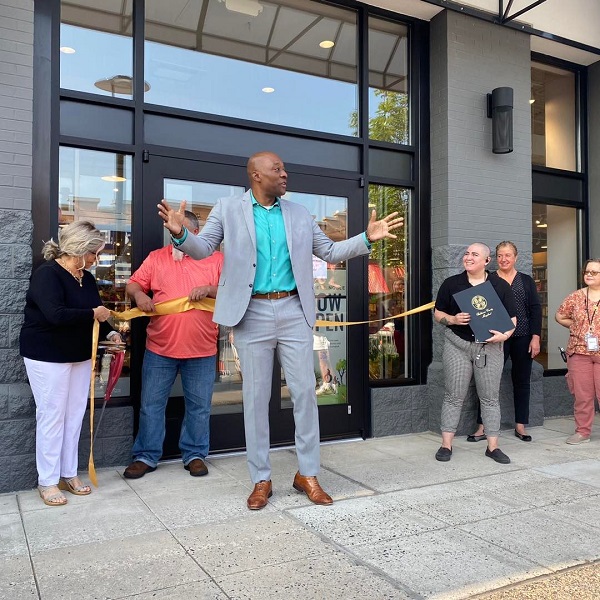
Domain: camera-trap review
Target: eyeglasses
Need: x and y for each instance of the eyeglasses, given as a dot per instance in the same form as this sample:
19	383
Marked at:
591	273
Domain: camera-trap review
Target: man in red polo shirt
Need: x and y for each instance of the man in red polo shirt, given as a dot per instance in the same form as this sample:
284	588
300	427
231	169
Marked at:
184	343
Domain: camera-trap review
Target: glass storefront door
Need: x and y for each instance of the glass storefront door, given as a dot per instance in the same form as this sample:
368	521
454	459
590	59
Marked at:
339	296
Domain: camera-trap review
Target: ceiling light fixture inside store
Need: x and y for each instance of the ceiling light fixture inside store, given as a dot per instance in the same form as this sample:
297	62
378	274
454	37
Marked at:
531	100
119	84
268	90
67	50
252	8
327	44
113	178
542	225
543	247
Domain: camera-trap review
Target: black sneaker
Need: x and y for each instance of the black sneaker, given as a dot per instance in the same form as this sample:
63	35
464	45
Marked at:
498	456
443	454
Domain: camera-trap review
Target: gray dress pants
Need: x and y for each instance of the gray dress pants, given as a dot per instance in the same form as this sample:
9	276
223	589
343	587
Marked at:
463	360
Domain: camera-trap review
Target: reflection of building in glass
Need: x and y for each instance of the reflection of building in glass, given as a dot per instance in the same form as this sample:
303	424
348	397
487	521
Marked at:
334	226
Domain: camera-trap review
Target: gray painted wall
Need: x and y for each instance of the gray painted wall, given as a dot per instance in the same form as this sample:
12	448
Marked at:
477	195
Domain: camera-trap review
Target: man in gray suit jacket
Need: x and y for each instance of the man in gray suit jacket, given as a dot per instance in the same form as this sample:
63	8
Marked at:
266	294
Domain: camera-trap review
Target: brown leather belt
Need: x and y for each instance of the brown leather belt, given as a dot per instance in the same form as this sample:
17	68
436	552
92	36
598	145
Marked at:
274	295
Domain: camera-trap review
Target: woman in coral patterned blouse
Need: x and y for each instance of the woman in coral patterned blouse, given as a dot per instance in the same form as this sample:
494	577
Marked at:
580	312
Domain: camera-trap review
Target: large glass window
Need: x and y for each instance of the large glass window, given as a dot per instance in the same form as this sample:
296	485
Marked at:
388	81
96	47
289	62
553	118
330	285
201	197
555	271
388	280
96	186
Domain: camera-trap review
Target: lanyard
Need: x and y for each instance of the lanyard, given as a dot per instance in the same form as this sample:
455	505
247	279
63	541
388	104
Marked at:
590	319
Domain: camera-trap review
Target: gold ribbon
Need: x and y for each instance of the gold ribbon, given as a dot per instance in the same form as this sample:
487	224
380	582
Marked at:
168	307
91	467
179	305
412	311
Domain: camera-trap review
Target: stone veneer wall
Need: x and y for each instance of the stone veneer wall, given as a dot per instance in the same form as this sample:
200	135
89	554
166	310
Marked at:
17	408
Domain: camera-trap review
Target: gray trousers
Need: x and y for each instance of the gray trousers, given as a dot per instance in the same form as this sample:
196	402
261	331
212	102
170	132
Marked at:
463	360
271	326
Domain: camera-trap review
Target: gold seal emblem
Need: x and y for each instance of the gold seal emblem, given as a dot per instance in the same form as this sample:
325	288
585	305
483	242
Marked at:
479	302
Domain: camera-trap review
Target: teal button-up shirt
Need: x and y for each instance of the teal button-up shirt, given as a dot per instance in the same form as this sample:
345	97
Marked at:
273	265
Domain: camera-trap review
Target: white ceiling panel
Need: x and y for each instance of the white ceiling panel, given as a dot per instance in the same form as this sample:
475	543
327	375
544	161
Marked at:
575	20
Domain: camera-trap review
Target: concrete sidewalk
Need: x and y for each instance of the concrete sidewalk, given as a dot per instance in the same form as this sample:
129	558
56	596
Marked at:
403	526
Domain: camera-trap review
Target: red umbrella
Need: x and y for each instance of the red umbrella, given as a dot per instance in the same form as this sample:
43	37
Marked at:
114	372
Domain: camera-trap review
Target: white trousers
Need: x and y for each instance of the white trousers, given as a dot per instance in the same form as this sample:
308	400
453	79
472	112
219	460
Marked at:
60	391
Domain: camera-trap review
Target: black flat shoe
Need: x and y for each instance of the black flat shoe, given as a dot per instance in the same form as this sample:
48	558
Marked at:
498	456
443	454
523	436
476	438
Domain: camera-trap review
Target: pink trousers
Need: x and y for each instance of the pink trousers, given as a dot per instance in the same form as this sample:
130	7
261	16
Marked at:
584	373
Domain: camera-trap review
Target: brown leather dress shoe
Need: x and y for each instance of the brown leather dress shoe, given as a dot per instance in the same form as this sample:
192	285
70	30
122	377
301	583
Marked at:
260	494
196	467
137	469
310	486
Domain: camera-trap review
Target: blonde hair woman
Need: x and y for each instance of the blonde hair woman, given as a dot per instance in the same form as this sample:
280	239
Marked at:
56	339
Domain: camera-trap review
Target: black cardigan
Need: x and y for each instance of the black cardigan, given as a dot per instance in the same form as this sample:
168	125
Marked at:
534	307
59	316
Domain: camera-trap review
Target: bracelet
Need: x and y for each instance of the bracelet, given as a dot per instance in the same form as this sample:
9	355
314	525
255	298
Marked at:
183	233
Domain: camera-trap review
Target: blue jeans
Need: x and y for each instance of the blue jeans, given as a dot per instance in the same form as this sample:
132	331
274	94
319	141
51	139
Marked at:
158	375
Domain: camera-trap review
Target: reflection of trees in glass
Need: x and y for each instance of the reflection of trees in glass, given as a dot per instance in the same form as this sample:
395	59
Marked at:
390	123
385	200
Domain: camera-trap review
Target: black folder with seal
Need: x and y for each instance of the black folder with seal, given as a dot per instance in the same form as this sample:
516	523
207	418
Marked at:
486	310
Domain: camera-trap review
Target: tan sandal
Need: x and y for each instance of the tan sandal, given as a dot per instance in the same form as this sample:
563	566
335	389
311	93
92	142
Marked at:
74	485
51	495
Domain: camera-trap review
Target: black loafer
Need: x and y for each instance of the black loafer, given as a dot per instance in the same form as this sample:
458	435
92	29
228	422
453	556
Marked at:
498	456
443	454
476	438
523	436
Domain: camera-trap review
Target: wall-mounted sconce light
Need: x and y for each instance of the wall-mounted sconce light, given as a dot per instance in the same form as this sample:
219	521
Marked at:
500	110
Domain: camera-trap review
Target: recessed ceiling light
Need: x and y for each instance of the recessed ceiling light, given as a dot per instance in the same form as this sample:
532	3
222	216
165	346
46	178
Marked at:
327	44
67	50
268	90
113	178
532	100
